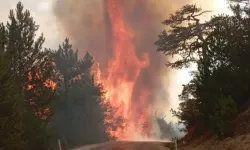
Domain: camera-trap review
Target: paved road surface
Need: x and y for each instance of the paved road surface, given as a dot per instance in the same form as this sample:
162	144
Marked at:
126	146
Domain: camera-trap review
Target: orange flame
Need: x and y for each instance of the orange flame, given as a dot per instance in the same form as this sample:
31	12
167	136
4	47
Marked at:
42	113
48	83
124	69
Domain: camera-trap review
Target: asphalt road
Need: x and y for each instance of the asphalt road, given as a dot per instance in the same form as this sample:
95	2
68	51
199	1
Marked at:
126	146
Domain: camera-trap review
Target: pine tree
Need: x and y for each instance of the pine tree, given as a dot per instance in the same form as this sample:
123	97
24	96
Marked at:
80	115
11	125
29	68
27	59
220	49
68	65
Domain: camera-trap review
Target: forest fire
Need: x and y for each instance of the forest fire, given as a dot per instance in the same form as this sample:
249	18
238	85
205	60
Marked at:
120	35
42	113
48	83
124	69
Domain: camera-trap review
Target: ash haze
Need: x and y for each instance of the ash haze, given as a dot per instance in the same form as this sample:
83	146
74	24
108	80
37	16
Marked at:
87	25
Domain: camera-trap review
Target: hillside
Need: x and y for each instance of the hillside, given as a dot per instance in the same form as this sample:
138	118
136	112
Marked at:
239	141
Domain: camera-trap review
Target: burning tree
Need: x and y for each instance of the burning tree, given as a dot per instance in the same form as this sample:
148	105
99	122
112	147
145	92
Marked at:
29	71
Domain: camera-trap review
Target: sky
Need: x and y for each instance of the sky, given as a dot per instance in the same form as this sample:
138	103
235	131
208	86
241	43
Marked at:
41	10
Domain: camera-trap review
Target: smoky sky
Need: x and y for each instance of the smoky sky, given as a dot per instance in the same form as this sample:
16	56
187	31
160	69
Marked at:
87	24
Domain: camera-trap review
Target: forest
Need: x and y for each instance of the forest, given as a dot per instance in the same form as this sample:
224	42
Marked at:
220	48
47	94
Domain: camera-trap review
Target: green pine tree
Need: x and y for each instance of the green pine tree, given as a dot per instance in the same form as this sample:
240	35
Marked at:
28	65
78	107
11	120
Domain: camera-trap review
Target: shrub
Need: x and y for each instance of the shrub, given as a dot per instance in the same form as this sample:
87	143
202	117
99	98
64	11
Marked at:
225	112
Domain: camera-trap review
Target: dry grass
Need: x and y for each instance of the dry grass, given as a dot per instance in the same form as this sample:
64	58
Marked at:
242	123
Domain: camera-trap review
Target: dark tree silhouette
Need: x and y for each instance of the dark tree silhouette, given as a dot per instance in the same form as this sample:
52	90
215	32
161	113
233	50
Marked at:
220	49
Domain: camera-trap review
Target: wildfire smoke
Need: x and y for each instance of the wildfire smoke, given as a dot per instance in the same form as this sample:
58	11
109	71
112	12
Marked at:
120	34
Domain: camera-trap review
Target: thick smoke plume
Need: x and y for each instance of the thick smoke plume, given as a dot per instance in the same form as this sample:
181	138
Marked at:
87	24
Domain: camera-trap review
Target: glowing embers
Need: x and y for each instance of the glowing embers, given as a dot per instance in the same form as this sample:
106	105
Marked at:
48	83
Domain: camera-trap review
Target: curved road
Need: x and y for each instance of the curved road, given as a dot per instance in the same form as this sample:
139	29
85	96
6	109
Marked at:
126	146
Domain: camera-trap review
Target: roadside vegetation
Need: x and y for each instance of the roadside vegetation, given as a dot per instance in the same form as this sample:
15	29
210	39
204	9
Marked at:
220	48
